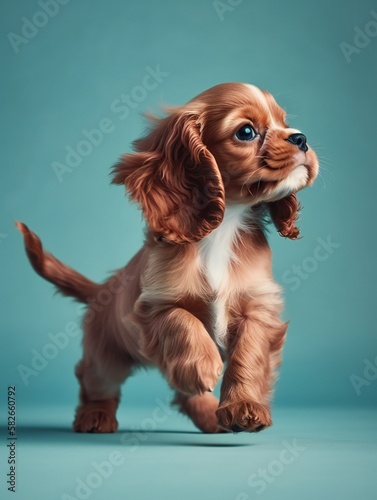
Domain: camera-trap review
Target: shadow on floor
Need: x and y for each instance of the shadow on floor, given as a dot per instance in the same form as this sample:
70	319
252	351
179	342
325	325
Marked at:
32	434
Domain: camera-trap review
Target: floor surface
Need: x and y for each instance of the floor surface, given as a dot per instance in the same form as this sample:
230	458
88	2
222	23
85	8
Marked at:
307	454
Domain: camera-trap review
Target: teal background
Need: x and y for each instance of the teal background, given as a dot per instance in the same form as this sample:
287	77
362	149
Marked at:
68	77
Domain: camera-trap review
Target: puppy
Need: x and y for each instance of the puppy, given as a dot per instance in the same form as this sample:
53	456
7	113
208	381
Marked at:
208	178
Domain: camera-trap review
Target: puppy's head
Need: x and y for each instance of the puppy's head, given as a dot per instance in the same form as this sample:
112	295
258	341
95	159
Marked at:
230	144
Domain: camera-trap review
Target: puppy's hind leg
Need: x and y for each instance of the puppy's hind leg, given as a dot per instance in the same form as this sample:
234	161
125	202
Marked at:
201	409
104	367
99	396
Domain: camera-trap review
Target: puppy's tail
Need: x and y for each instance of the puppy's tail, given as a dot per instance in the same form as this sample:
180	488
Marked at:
67	280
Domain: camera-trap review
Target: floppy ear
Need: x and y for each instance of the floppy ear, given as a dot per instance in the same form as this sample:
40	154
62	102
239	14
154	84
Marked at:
175	179
284	214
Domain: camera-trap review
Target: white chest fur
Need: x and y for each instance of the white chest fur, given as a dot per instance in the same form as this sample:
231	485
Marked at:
216	249
216	252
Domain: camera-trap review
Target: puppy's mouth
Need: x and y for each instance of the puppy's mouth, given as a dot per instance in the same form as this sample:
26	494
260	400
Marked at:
273	190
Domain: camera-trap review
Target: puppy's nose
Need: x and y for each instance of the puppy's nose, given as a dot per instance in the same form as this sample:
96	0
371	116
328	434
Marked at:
298	140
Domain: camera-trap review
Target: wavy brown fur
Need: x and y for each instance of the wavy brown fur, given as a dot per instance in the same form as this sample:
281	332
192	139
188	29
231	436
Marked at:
68	281
284	214
200	293
167	176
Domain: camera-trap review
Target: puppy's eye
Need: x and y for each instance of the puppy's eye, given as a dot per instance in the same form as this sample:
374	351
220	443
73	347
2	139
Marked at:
246	133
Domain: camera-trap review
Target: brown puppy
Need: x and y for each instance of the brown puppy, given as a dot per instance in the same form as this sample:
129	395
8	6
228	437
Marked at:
201	290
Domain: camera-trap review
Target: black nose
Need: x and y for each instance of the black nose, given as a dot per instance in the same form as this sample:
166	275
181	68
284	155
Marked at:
298	140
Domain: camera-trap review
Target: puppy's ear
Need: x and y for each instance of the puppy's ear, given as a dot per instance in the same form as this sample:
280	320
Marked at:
284	214
175	179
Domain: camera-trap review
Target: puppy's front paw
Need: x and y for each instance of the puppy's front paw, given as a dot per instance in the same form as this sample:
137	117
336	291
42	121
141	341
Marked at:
243	416
94	420
196	376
